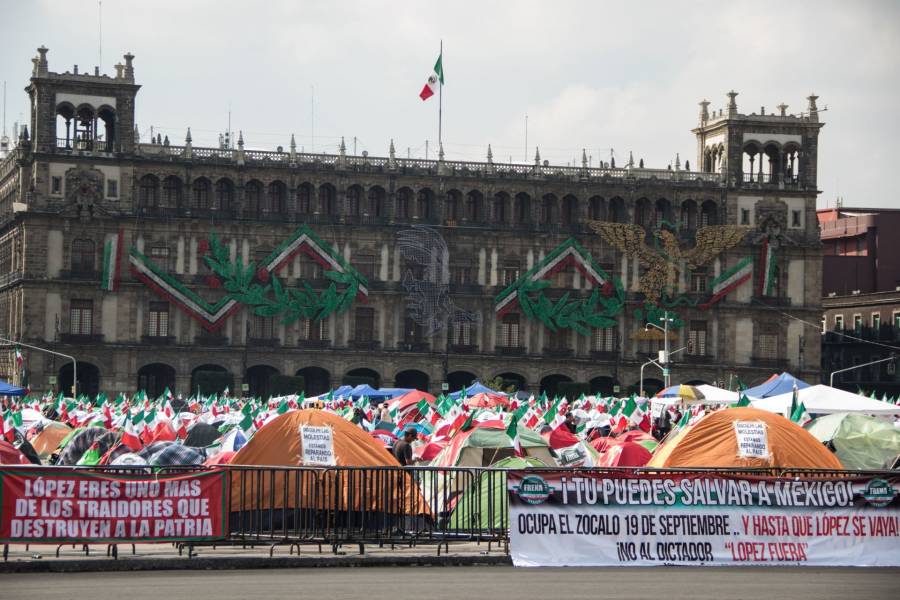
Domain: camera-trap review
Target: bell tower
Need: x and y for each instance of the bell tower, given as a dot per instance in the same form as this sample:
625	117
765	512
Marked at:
83	113
777	150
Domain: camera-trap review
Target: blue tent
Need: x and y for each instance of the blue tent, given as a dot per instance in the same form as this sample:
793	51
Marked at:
370	392
476	388
782	384
7	389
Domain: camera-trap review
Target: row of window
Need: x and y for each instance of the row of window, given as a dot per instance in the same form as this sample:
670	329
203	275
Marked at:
272	199
858	321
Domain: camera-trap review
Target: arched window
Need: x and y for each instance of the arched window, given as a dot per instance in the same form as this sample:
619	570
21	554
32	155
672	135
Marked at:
708	213
500	208
688	220
473	206
200	196
354	201
663	212
752	163
252	198
570	210
83	256
548	209
305	199
616	210
424	201
276	198
85	122
327	199
65	113
107	116
642	212
452	208
148	192
376	201
522	211
224	195
404	201
597	208
172	191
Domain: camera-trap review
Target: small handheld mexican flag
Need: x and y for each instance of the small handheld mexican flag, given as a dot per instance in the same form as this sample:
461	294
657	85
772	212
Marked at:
435	79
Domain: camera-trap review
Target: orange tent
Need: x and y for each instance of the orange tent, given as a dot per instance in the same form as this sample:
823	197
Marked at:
277	444
713	442
47	441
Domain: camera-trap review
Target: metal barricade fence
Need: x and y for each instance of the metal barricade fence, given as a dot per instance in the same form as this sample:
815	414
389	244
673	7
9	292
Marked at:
335	506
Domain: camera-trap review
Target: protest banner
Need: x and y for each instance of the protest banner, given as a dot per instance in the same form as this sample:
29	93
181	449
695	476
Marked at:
582	518
50	505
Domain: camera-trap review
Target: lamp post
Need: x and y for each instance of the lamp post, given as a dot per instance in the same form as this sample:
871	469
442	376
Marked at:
874	362
664	357
39	349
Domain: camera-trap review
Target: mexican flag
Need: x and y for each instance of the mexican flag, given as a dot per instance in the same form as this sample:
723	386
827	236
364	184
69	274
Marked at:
112	258
766	269
800	416
728	281
435	79
20	358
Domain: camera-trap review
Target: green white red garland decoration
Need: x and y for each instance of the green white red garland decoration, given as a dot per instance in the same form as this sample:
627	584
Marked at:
112	260
257	286
579	314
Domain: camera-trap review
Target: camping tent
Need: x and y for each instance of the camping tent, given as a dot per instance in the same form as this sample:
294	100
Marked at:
860	441
483	506
775	385
476	388
8	389
824	400
277	443
485	446
712	442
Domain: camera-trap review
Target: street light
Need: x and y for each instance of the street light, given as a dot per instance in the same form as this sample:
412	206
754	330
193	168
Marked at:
664	357
874	362
39	349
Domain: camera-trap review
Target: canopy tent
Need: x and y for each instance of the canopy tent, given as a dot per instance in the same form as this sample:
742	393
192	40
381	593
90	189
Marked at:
476	388
825	400
712	442
8	389
487	400
860	441
775	385
368	391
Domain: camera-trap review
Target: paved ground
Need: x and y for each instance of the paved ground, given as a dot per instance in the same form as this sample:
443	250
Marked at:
496	583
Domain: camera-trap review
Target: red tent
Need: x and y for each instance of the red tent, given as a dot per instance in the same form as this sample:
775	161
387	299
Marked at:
626	454
10	455
602	444
635	435
561	437
485	400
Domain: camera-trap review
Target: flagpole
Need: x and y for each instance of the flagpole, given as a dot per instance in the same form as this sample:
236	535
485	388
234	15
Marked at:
440	95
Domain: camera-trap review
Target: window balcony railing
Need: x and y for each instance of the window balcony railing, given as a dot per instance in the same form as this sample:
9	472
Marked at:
364	344
210	339
510	350
263	342
604	354
313	344
772	300
558	352
158	340
413	346
463	348
81	338
80	275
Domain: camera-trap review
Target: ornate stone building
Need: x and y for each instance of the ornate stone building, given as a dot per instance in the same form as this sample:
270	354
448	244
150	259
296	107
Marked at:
150	262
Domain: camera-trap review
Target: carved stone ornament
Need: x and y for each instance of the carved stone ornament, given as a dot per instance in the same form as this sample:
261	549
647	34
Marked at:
84	191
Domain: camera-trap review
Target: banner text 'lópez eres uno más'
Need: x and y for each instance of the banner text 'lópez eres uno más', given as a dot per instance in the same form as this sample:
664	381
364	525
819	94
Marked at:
594	519
49	505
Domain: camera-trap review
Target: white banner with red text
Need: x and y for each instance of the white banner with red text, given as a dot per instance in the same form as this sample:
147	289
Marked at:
590	518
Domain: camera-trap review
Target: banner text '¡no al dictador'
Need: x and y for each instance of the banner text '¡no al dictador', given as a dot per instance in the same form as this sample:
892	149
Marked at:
705	492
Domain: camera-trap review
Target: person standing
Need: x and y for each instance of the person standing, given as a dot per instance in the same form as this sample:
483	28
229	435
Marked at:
403	447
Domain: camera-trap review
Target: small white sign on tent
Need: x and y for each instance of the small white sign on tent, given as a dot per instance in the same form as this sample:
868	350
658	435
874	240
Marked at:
316	446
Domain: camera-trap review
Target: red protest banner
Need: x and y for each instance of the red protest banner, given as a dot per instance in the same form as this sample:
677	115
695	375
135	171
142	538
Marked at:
52	505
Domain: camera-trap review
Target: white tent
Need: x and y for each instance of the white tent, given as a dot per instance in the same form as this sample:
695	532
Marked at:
824	400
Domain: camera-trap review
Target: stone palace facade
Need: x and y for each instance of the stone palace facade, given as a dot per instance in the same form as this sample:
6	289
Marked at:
150	262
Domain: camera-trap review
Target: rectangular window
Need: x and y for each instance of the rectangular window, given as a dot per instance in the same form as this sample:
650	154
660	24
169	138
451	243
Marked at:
263	328
603	339
310	270
838	322
313	331
745	216
112	188
158	322
510	275
365	264
697	338
509	332
768	345
876	321
56	185
81	317
462	333
460	275
795	218
698	280
857	323
558	340
364	325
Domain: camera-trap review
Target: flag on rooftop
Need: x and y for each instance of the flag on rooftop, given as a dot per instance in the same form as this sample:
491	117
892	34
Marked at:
436	78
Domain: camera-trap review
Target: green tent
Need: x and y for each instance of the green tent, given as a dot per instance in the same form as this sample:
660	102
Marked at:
859	441
484	506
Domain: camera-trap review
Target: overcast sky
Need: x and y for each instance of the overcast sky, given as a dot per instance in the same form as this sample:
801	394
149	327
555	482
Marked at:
594	75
